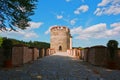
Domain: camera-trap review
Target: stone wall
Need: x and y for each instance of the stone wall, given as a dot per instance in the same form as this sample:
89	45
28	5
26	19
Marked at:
22	54
118	58
27	55
35	53
41	52
45	52
50	51
75	53
85	54
17	55
2	58
98	55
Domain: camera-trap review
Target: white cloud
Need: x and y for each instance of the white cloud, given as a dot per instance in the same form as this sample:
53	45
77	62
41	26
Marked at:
73	21
48	31
76	30
98	12
32	34
115	24
96	28
35	24
59	16
104	2
97	31
28	33
82	8
64	18
115	28
108	7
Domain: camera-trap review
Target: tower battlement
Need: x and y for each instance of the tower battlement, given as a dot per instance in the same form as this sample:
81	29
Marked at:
60	28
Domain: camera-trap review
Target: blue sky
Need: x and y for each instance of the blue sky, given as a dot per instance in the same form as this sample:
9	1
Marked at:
92	22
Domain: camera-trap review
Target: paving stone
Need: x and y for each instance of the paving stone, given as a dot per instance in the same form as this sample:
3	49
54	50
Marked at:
59	66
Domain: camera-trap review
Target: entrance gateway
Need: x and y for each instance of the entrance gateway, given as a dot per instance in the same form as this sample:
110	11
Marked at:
60	48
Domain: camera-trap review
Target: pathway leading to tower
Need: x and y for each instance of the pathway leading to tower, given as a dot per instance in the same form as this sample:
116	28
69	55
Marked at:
59	66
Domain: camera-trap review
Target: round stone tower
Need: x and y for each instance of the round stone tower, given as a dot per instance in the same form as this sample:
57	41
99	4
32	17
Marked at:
60	38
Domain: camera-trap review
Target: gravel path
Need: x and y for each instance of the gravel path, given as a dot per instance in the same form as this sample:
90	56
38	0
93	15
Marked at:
59	66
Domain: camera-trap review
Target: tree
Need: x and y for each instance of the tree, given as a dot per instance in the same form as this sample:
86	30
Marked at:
112	47
39	44
7	46
7	43
15	13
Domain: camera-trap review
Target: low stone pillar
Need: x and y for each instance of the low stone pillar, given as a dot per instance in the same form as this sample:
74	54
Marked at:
117	59
41	52
48	52
2	57
27	55
52	51
98	55
71	51
78	51
82	54
86	54
35	53
17	54
45	52
68	51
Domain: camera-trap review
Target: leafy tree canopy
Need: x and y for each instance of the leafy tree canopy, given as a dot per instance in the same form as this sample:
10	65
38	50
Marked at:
15	13
112	47
9	42
39	44
112	44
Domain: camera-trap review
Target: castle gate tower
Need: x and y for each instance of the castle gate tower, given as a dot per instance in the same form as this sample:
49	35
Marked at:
60	38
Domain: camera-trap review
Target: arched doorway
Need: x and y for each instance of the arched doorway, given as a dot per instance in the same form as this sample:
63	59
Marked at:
60	48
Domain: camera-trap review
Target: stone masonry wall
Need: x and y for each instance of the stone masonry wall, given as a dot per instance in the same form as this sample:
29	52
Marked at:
17	55
118	58
36	53
1	56
85	54
23	54
75	53
27	55
98	55
41	52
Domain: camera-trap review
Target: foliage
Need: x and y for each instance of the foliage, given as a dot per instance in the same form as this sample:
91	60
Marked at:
7	43
30	43
15	13
112	47
39	44
7	46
